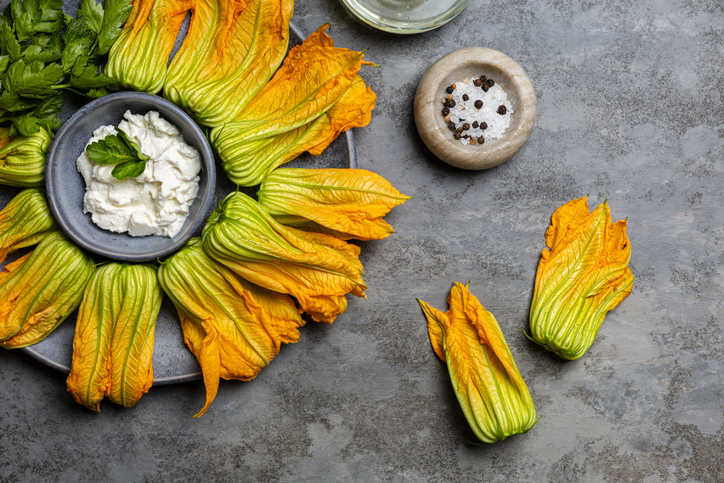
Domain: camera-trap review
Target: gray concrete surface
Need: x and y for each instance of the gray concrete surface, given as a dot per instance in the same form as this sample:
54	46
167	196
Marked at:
629	110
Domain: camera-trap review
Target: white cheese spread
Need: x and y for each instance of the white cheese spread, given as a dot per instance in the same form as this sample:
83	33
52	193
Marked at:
156	202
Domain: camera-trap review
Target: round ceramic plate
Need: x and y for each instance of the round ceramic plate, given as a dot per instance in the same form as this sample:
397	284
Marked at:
172	361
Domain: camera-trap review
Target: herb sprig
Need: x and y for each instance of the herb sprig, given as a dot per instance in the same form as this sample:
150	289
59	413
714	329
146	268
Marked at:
38	62
120	150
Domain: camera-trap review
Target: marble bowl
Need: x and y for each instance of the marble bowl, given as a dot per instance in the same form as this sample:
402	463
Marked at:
470	63
66	187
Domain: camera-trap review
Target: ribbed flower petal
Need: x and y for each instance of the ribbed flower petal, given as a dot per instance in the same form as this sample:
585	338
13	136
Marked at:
232	327
314	96
39	293
232	49
349	202
584	275
316	269
25	221
139	58
22	159
486	380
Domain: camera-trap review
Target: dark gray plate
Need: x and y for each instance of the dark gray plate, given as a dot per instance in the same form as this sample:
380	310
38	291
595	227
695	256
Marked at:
172	361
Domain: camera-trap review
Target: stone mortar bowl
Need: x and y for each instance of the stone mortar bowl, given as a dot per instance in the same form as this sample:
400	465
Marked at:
66	187
470	63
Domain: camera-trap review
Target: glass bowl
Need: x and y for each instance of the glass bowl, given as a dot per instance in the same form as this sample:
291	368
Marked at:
405	16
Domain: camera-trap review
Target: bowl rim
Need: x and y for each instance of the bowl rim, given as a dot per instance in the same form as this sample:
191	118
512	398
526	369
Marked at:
436	137
386	24
208	167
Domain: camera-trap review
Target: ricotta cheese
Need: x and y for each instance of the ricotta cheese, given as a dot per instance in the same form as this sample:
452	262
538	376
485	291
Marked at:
156	202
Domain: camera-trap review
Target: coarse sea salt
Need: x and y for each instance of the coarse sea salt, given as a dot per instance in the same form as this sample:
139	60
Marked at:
466	112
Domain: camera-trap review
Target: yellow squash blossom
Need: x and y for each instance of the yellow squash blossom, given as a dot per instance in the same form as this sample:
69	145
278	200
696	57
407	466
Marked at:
350	203
247	163
139	58
315	268
232	49
25	221
22	159
114	336
583	276
232	327
281	121
486	380
39	290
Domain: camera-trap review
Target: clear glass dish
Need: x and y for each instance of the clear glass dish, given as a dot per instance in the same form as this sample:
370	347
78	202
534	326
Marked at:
405	16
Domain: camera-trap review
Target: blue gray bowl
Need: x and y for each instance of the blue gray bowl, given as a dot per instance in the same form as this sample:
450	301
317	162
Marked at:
66	187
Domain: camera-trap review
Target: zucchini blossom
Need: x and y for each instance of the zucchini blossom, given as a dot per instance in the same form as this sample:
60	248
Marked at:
114	336
233	327
231	50
486	380
22	159
25	221
315	268
347	203
139	58
314	96
583	276
39	290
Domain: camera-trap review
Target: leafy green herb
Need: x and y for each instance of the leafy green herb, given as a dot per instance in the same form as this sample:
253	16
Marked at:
8	42
118	149
79	41
33	79
86	77
44	52
116	13
93	13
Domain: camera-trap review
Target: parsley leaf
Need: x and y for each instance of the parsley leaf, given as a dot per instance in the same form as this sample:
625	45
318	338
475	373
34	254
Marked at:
87	77
93	14
32	79
8	42
131	144
79	40
121	150
51	19
129	169
116	14
26	15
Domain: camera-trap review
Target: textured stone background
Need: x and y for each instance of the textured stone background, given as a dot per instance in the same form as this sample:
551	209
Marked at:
630	110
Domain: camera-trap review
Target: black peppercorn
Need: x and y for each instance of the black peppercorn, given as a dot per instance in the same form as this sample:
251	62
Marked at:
491	82
459	130
483	78
483	126
450	103
479	104
477	82
449	90
475	124
458	135
445	111
481	140
502	110
485	87
466	126
451	126
465	97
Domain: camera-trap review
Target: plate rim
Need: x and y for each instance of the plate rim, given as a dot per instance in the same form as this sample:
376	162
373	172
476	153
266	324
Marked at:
177	379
